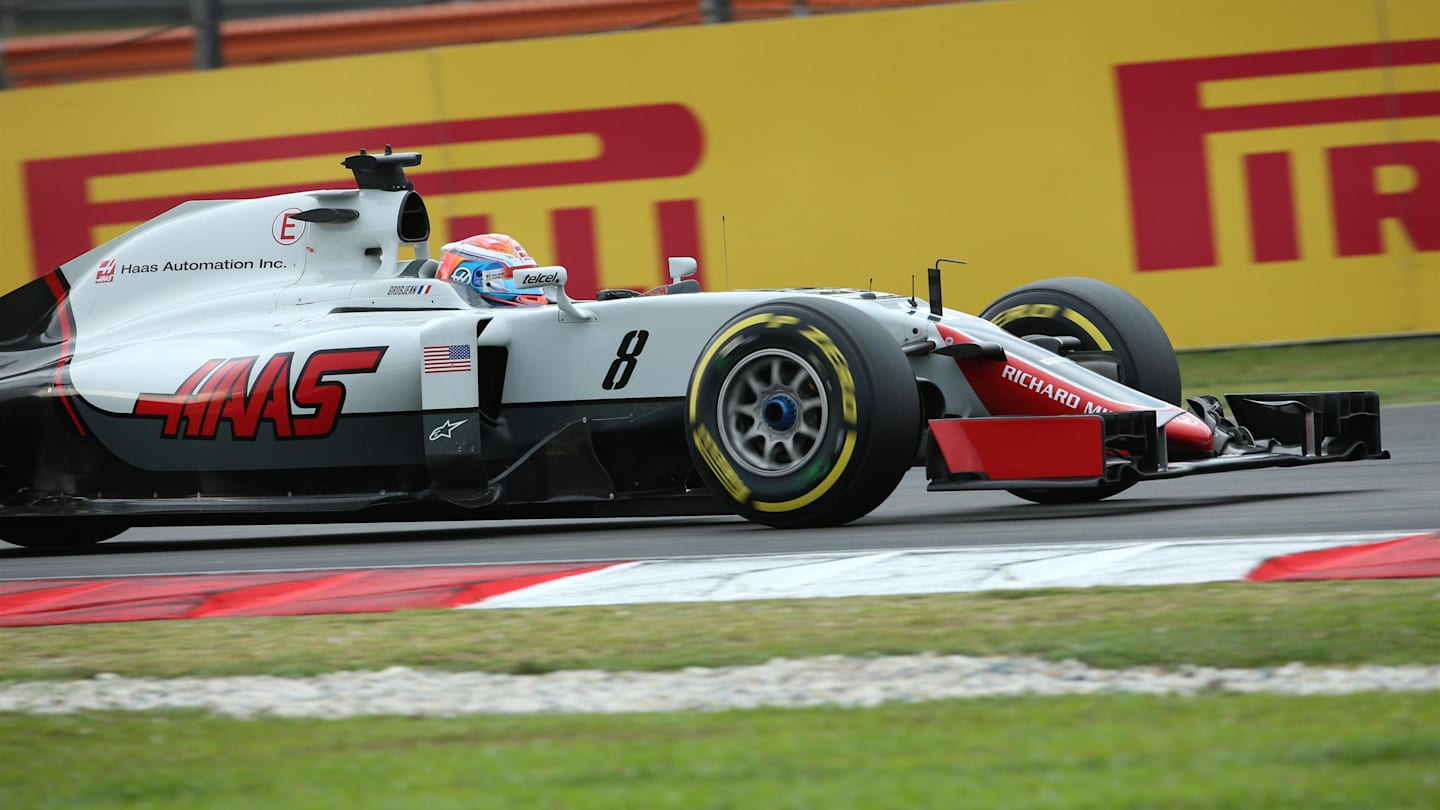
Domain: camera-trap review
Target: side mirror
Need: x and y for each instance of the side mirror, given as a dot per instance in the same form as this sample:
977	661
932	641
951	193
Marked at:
681	267
552	278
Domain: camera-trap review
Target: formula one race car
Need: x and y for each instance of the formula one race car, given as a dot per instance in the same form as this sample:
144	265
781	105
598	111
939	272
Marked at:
274	361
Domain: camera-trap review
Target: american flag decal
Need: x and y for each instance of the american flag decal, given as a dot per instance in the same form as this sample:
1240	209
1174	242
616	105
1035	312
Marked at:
440	359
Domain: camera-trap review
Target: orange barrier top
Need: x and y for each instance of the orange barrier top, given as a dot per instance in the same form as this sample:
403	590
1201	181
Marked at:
39	60
50	59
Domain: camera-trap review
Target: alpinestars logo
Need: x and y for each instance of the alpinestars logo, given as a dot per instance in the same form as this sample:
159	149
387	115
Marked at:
446	431
220	391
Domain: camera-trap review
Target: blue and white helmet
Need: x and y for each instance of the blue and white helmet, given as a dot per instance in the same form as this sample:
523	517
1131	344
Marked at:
486	263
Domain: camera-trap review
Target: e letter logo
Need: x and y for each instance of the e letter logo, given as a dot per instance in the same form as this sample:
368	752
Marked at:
285	230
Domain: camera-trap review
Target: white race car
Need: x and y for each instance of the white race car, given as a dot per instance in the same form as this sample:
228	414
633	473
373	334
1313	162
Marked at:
274	361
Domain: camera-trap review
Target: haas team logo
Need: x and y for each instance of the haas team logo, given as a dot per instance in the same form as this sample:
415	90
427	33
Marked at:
221	391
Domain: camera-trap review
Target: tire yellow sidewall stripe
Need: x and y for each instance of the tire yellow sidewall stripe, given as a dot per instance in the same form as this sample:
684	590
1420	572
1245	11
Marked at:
1053	311
848	409
718	464
763	318
820	489
1084	323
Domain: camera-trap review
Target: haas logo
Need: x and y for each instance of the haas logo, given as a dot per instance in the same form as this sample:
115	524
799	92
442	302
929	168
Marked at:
220	390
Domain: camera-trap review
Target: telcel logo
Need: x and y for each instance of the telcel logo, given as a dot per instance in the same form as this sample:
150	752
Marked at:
1167	123
540	279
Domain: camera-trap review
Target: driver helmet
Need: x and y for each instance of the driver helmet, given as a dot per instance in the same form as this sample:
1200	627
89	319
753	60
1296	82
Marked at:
486	263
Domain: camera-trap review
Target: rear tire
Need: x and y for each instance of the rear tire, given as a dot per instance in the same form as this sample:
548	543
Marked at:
1119	338
802	413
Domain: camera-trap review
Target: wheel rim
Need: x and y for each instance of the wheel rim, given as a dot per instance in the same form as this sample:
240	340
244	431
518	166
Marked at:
773	412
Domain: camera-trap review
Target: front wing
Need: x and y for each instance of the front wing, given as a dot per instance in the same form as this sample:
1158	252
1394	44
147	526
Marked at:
1045	452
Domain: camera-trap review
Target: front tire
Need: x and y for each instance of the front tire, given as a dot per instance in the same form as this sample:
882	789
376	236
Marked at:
802	413
1119	338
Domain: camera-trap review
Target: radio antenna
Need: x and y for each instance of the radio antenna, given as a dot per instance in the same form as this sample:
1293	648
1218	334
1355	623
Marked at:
913	305
725	248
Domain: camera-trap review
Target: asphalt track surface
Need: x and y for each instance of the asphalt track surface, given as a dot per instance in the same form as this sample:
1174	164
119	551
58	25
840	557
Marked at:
1400	495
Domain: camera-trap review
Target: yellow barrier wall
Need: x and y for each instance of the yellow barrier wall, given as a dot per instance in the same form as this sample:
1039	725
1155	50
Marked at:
1253	171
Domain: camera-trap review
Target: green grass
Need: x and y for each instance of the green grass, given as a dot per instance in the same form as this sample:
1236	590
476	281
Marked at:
1222	624
1215	751
1402	370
